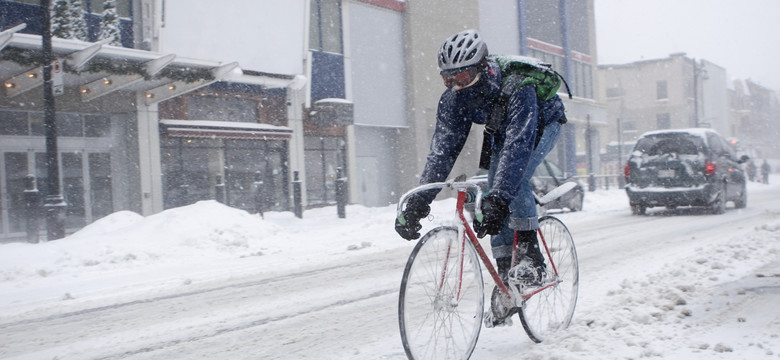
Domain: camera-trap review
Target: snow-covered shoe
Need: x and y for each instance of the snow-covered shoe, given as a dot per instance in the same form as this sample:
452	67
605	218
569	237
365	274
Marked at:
491	321
528	273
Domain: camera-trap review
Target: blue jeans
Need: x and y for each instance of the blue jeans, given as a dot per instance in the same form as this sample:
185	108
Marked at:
523	207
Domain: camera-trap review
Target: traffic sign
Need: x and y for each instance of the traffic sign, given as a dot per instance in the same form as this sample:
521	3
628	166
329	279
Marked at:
56	77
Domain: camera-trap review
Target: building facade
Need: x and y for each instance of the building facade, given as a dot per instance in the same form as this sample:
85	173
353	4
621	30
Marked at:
681	92
672	93
203	102
139	127
754	115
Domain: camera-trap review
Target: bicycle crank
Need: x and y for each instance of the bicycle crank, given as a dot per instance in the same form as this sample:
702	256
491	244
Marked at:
501	310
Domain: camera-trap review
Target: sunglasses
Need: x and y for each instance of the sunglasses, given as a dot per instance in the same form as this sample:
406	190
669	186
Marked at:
461	77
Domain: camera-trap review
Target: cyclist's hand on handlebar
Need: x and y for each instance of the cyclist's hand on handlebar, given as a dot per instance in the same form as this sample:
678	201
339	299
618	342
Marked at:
408	224
494	212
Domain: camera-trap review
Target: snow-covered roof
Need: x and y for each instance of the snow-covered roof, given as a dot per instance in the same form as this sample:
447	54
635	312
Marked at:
224	124
96	83
699	132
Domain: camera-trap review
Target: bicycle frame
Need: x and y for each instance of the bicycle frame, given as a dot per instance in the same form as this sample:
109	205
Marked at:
468	232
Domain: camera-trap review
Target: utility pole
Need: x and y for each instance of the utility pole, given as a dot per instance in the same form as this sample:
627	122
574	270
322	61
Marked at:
698	74
695	93
621	179
589	152
54	203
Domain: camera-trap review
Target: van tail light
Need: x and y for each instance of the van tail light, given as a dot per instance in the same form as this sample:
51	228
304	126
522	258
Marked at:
627	171
709	168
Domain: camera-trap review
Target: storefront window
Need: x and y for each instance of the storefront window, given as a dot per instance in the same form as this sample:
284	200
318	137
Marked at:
36	124
187	170
223	109
324	155
325	26
191	168
13	123
73	189
97	125
15	172
84	164
69	125
101	198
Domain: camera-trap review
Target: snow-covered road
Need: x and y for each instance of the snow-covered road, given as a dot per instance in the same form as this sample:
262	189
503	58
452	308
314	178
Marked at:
674	284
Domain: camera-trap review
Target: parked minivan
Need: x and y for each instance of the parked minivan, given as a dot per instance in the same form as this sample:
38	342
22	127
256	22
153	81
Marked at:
686	167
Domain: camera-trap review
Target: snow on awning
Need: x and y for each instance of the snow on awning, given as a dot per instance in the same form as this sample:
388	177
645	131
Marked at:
97	69
223	129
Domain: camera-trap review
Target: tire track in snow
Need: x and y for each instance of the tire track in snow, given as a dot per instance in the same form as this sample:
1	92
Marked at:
247	325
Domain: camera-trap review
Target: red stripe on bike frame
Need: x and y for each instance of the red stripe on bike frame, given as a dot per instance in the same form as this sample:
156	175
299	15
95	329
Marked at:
548	252
477	246
529	295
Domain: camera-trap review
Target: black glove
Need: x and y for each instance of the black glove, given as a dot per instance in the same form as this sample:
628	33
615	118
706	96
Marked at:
408	224
494	212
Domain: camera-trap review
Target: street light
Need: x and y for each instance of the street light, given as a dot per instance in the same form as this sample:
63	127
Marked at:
54	203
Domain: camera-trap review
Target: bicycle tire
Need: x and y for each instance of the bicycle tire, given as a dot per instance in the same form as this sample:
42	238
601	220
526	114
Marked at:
440	311
553	308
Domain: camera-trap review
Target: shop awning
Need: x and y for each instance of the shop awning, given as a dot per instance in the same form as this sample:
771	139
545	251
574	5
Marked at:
97	69
223	129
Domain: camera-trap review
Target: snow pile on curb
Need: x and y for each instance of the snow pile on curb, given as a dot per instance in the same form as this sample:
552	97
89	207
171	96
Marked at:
125	240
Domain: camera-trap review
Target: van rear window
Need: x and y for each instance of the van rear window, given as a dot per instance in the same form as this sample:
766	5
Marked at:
681	144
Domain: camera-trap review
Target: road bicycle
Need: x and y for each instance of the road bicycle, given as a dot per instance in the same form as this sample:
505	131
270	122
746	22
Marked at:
440	305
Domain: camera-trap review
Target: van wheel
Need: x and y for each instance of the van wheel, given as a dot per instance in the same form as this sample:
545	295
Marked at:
638	209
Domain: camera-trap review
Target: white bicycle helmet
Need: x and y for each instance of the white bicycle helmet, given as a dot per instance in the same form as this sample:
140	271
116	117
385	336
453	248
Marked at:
461	50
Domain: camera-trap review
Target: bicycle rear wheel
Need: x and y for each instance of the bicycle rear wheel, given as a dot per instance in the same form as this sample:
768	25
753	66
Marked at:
552	309
441	297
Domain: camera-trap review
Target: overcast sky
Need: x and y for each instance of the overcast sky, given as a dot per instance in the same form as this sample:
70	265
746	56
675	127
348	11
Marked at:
742	36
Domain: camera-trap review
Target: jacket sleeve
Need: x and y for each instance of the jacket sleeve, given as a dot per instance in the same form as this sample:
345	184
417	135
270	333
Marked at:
553	110
522	117
448	140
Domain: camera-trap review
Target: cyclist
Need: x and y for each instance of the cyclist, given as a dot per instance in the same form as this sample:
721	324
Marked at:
473	82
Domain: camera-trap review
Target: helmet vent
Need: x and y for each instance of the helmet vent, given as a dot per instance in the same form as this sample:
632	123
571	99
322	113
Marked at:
471	54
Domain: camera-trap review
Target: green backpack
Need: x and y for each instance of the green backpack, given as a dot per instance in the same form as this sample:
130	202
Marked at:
519	71
516	72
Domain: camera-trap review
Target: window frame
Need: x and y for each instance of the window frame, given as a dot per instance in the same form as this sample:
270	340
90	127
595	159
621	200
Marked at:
318	39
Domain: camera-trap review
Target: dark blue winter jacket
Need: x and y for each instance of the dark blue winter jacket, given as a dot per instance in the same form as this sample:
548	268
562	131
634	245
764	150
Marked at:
514	140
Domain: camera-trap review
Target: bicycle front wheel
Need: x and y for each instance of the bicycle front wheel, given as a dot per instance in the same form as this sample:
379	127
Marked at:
551	309
441	297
